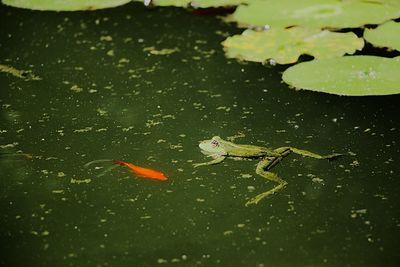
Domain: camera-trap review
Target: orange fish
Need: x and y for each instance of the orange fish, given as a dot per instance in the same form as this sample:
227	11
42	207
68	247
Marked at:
144	172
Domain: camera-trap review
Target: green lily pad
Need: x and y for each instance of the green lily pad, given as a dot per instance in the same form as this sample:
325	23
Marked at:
286	45
386	35
65	5
316	13
177	3
198	3
351	76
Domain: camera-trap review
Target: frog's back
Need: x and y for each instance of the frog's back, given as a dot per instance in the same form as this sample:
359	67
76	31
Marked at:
249	151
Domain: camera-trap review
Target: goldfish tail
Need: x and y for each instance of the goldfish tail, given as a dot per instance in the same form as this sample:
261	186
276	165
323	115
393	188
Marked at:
96	161
119	162
108	169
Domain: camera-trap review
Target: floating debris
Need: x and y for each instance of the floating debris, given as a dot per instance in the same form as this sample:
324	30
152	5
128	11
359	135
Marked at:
127	129
355	163
359	212
45	233
165	51
86	129
80	181
228	232
9	145
76	88
161	261
23	74
111	53
251	188
169	116
318	180
107	38
152	123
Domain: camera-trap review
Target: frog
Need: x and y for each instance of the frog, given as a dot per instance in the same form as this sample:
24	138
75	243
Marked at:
220	149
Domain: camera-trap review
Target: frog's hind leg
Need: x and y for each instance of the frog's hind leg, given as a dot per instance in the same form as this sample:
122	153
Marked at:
307	153
262	169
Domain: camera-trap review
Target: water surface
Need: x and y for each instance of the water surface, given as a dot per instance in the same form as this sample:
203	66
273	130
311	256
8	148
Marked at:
145	86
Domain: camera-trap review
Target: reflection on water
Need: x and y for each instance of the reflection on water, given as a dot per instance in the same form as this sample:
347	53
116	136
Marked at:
145	86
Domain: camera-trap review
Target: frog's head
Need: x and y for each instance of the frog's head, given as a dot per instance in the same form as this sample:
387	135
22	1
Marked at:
213	146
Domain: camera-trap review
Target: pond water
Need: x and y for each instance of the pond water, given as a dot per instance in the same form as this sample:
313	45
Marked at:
145	86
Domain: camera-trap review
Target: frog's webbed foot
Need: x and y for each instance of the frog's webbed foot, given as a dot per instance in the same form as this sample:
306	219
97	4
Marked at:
333	156
262	169
212	162
259	197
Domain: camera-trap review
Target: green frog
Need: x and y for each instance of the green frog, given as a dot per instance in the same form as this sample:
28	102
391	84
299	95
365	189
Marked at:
220	149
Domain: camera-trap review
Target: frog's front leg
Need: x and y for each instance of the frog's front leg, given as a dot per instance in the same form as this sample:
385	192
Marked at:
217	159
262	169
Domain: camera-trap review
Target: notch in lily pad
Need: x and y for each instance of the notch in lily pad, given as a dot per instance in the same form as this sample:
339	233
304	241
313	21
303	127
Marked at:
385	35
349	76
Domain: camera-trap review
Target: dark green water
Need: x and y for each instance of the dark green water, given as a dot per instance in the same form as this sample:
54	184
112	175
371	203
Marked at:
104	95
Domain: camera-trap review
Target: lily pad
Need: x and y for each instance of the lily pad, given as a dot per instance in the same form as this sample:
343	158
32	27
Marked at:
351	76
316	13
199	3
386	35
65	5
177	3
286	45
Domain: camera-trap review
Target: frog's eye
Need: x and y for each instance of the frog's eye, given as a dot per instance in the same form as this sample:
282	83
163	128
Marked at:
214	143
